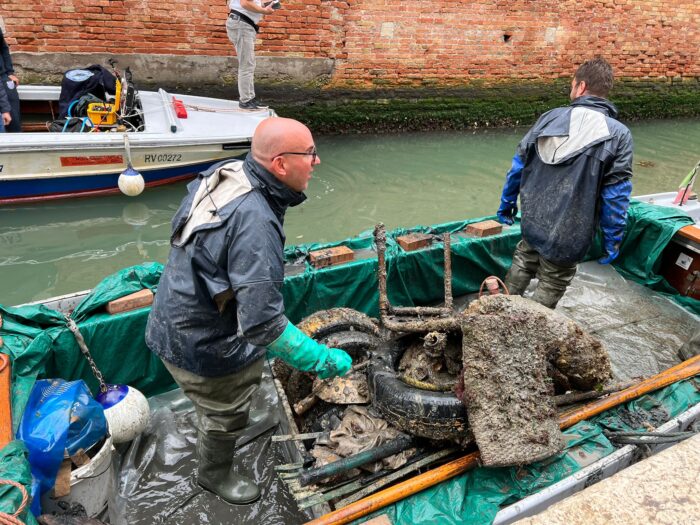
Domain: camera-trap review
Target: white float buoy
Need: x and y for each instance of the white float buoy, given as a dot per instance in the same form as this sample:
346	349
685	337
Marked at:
130	181
126	410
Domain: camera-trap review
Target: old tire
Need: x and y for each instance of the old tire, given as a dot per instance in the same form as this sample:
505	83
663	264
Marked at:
342	328
433	415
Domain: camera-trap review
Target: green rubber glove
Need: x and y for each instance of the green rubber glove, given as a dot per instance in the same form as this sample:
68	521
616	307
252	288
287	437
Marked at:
300	351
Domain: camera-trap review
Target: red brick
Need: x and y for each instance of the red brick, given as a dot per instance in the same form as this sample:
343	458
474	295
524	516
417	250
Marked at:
414	241
331	256
484	228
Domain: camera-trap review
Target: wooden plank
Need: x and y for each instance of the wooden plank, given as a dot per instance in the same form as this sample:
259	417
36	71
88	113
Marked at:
414	241
690	232
5	403
484	228
130	302
331	256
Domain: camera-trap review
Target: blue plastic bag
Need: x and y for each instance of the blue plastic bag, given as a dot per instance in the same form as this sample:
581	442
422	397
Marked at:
60	416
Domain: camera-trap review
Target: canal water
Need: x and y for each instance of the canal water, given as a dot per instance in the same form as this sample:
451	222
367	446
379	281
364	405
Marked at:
401	180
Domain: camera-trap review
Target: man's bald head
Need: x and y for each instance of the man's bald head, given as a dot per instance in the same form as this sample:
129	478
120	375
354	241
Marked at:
275	135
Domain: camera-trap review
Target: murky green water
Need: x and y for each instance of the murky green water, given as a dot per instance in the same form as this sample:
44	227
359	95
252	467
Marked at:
402	180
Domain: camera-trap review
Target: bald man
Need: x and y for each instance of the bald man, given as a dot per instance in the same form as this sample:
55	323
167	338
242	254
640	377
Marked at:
218	309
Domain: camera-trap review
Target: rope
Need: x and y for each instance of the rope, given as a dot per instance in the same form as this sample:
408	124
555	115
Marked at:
13	519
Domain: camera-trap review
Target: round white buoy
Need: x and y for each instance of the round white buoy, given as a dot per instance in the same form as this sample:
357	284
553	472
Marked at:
126	410
131	182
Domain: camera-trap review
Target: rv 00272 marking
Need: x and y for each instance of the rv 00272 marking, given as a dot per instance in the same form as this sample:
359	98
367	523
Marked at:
163	157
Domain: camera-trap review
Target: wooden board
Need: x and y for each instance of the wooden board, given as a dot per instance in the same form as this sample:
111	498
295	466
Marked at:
130	302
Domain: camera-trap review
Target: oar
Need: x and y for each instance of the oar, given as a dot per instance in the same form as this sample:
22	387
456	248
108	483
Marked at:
365	506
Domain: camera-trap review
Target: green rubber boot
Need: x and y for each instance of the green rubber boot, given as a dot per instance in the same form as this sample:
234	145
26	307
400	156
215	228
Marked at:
215	457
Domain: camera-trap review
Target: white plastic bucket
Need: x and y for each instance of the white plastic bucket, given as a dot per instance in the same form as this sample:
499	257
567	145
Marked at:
90	485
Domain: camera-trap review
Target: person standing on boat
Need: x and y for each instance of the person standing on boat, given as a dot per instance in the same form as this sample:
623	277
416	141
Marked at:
219	310
242	29
10	106
572	171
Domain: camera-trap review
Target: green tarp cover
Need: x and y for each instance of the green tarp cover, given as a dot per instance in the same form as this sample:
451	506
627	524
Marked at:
40	344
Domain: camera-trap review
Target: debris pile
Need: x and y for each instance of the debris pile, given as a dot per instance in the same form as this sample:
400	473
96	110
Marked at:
510	345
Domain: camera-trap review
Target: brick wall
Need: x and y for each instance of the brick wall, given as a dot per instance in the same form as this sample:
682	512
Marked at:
387	42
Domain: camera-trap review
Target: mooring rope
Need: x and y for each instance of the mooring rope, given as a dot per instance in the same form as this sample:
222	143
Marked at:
13	519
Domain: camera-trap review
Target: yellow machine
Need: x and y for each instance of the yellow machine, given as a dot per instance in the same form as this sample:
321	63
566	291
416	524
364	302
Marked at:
106	113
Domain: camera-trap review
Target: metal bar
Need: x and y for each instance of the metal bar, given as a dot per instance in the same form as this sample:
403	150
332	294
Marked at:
380	241
385	480
570	399
389	448
298	437
443	325
448	270
421	310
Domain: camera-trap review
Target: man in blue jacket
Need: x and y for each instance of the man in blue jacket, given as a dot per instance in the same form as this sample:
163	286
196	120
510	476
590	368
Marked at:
9	99
572	171
218	308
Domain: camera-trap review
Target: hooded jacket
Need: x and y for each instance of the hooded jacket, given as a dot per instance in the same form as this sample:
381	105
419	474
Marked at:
561	170
219	300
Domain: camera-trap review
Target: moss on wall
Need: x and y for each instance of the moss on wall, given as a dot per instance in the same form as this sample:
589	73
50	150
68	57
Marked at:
502	104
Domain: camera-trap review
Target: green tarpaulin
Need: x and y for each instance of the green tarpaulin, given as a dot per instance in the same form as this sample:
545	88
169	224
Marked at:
40	344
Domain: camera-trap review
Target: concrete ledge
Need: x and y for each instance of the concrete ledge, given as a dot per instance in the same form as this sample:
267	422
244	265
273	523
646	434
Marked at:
183	70
660	489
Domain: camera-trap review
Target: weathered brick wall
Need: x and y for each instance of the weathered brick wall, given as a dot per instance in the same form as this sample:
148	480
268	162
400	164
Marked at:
387	42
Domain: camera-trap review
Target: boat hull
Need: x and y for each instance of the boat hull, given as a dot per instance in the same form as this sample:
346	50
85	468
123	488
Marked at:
25	191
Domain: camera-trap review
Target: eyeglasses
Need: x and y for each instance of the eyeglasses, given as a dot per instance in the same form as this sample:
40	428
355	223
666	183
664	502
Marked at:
313	153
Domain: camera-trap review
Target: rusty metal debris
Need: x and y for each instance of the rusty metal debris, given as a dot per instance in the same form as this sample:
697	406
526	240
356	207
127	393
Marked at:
410	319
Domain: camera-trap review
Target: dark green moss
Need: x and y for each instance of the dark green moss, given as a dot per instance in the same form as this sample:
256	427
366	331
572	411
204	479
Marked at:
503	104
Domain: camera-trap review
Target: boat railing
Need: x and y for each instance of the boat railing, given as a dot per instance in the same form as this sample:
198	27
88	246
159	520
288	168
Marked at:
173	121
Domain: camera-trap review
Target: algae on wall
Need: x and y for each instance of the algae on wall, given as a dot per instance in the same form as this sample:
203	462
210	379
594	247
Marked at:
477	105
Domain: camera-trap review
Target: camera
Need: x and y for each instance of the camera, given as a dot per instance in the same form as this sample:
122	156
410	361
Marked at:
275	4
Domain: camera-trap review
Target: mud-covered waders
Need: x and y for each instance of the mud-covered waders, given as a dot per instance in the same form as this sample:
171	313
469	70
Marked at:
528	264
221	405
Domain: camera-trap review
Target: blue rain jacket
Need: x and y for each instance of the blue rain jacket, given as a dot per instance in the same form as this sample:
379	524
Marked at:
575	162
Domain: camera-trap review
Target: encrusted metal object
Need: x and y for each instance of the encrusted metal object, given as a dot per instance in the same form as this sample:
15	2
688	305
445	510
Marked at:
415	318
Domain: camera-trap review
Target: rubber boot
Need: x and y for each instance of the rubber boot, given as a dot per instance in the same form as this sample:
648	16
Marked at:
554	280
215	456
523	269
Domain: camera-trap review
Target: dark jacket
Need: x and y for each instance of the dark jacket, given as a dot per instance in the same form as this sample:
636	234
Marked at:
566	159
6	69
219	300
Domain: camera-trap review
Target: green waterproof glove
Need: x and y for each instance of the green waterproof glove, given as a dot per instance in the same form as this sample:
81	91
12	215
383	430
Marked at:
302	352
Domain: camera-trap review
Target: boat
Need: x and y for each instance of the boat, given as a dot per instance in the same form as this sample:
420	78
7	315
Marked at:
164	137
40	343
